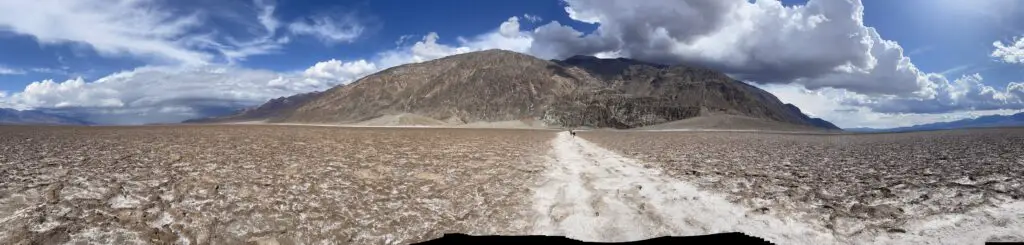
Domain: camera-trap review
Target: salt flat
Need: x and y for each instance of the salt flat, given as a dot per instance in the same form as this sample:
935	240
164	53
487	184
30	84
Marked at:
235	184
225	184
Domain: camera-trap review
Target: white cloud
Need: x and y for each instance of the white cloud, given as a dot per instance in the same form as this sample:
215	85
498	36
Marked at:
266	16
175	93
510	28
967	93
1011	52
263	43
423	50
49	70
344	72
151	30
955	70
820	45
111	27
819	56
507	36
532	18
328	29
167	93
10	71
829	104
401	40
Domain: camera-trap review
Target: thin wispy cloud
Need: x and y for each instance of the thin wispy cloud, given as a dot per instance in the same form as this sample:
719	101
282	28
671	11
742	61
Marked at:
920	50
10	71
956	70
532	18
147	29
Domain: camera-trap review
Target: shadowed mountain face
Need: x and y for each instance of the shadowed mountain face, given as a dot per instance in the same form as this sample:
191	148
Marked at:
497	85
11	116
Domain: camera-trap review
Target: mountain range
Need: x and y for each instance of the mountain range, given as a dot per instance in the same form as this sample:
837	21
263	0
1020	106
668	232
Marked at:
502	86
1015	120
496	86
12	116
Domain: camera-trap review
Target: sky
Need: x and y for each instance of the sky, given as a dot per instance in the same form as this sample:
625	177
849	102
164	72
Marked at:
855	63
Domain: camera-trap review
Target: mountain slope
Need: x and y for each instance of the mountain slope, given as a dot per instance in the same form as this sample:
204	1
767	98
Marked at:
274	108
481	86
12	116
729	122
495	85
1015	120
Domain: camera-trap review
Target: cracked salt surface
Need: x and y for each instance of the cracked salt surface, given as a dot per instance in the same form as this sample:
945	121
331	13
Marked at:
593	194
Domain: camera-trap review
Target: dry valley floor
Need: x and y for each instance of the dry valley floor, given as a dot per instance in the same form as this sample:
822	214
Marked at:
229	184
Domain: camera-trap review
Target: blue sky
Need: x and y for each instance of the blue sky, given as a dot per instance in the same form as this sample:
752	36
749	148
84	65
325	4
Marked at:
387	21
947	36
287	47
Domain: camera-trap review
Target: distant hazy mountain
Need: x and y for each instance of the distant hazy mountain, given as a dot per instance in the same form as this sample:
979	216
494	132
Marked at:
1015	120
495	85
12	116
274	108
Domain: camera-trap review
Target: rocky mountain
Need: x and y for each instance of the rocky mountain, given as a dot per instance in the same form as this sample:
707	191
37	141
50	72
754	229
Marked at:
274	108
816	122
1015	120
496	85
12	116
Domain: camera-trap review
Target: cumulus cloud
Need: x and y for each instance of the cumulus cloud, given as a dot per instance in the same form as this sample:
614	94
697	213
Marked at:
832	104
340	71
174	93
508	36
510	28
426	49
819	56
1011	52
967	93
822	44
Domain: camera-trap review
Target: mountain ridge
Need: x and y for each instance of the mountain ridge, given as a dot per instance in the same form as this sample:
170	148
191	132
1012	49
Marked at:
1013	120
498	85
273	108
20	117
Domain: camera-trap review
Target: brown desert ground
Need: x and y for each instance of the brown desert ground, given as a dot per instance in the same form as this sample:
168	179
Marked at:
286	184
236	184
849	183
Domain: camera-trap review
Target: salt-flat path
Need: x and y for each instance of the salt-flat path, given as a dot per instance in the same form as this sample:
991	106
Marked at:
589	193
592	194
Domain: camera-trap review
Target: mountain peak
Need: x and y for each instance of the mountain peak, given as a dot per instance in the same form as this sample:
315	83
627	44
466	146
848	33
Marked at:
499	85
489	53
580	57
